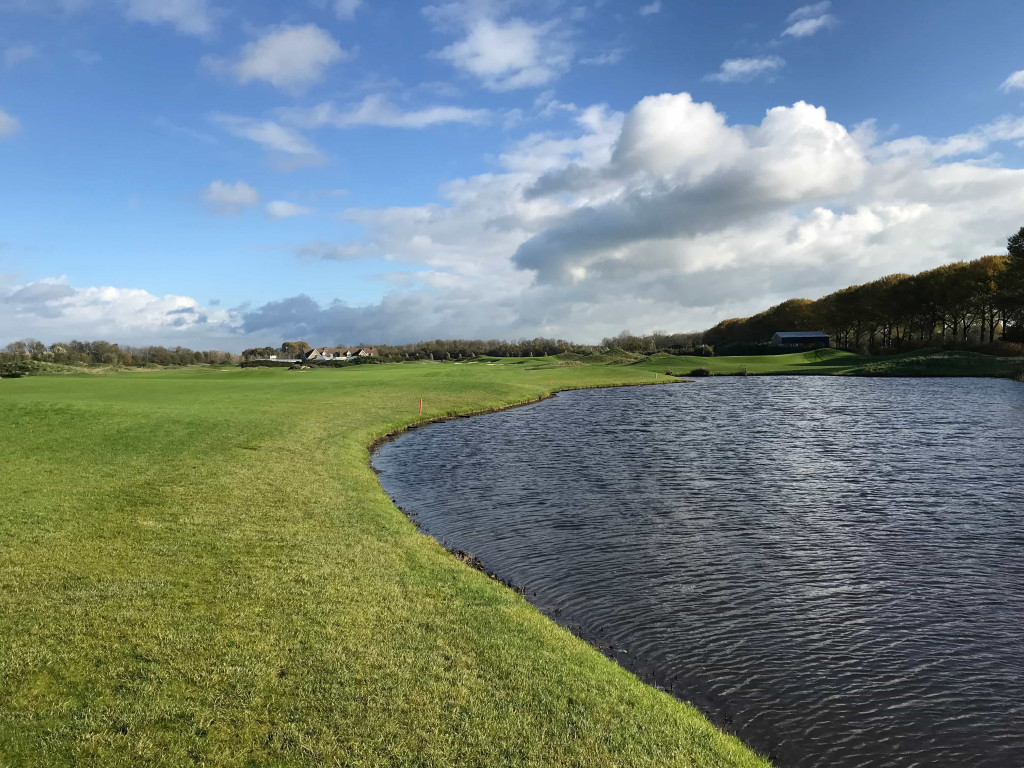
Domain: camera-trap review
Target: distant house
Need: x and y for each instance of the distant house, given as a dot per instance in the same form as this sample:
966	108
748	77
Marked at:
809	339
338	353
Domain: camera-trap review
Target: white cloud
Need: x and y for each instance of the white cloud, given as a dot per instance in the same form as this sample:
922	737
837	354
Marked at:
613	56
667	216
1014	82
287	57
346	9
651	8
322	250
230	199
53	310
504	54
281	209
978	139
18	54
274	137
376	110
808	27
9	125
745	70
812	11
192	17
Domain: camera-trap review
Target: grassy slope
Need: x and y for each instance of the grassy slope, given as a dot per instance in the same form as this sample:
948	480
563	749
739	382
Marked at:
835	362
199	567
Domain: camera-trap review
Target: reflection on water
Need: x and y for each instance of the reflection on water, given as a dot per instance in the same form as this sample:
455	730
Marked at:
831	568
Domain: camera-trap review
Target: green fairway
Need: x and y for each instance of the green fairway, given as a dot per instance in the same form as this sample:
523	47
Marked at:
200	568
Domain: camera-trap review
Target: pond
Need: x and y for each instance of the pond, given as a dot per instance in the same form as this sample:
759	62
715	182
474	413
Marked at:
831	568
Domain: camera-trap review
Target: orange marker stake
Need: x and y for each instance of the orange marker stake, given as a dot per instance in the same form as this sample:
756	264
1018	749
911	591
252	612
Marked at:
421	406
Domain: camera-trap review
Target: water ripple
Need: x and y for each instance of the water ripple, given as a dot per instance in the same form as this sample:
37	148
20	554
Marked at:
830	568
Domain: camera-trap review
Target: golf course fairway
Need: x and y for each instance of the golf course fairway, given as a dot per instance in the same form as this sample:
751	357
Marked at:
199	567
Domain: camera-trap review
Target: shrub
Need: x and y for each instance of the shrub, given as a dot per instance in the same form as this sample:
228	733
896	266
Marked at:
700	372
264	364
15	370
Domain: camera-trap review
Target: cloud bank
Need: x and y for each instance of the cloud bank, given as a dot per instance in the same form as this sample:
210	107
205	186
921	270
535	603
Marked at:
667	216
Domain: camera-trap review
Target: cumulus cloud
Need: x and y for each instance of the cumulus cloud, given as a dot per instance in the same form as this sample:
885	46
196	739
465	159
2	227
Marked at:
191	17
1014	82
230	199
9	125
651	8
281	209
504	54
18	54
377	110
745	70
666	216
678	170
808	20
291	57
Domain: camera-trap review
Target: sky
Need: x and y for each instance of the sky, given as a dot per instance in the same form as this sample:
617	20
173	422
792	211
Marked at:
221	174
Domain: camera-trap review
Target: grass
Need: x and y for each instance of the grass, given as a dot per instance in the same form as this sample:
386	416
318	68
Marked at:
200	568
832	362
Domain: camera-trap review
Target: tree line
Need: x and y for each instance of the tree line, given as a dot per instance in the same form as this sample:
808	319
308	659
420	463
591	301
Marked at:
289	350
973	303
107	353
439	349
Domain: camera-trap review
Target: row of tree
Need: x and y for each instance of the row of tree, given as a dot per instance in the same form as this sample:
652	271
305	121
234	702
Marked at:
106	353
439	349
967	303
464	349
659	341
290	350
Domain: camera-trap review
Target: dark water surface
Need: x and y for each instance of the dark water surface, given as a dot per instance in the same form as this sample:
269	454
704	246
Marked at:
831	568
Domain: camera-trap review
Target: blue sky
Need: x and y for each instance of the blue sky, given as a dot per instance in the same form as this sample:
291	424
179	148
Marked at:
218	174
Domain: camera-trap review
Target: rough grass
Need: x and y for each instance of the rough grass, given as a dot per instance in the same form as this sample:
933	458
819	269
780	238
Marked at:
200	568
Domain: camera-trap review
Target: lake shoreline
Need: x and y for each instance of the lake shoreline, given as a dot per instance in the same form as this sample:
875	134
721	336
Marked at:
451	522
716	712
394	434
